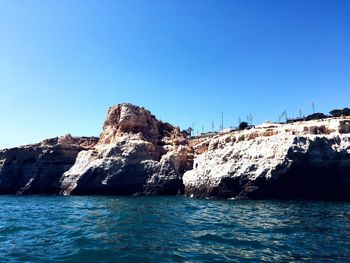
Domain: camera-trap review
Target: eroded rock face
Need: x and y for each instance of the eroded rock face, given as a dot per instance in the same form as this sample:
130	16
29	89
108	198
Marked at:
136	154
38	168
299	160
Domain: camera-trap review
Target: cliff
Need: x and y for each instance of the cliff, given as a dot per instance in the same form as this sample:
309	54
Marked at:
309	159
38	168
136	154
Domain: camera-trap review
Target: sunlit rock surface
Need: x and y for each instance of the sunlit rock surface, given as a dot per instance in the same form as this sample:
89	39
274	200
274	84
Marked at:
136	154
298	160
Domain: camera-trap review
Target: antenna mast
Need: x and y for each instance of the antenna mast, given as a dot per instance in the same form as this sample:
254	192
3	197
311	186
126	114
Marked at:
222	120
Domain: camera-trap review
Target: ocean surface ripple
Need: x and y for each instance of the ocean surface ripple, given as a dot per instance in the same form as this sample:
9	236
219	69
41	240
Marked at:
171	229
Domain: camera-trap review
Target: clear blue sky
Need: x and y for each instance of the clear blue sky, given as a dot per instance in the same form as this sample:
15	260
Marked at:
64	62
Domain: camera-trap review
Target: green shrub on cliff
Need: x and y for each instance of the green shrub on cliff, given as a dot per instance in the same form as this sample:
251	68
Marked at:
338	113
316	116
243	125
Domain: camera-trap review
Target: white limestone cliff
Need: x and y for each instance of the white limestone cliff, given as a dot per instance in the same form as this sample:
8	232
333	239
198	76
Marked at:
309	159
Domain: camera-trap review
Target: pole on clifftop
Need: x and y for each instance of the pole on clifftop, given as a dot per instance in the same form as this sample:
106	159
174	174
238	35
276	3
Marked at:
222	120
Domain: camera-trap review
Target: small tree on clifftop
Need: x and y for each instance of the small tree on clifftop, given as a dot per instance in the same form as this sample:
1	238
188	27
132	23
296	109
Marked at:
243	125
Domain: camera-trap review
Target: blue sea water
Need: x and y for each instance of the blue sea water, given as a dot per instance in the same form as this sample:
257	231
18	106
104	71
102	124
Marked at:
171	229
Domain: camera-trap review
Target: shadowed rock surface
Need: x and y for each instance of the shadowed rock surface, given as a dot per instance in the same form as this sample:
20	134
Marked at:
37	168
309	160
136	154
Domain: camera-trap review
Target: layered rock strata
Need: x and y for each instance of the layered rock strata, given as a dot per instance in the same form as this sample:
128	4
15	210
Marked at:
299	160
38	168
136	154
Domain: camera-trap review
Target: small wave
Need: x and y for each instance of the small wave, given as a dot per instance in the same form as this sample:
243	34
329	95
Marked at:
214	238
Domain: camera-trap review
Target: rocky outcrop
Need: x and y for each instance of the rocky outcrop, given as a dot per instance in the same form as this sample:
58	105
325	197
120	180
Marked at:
299	160
38	168
136	154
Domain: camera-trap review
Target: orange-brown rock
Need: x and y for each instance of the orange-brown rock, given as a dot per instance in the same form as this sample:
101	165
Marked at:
136	154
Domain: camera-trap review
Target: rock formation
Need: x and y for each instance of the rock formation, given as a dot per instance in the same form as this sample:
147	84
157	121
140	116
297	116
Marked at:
37	168
136	154
299	160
